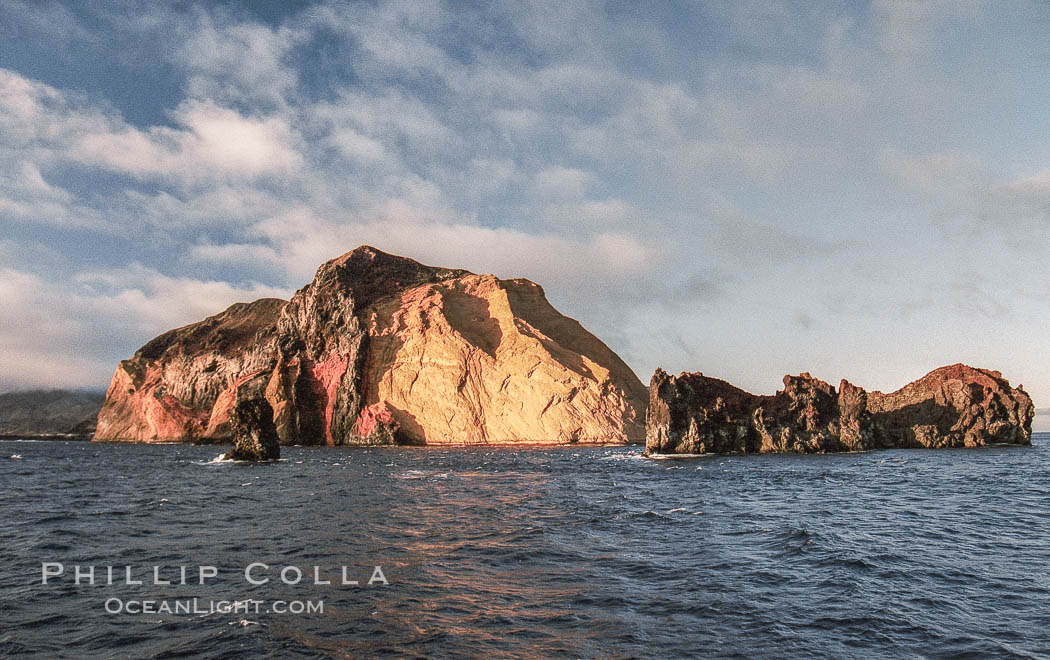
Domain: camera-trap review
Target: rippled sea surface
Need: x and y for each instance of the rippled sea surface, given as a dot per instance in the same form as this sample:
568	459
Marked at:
538	552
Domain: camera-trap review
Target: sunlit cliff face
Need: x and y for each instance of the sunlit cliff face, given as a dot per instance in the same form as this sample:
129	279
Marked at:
380	349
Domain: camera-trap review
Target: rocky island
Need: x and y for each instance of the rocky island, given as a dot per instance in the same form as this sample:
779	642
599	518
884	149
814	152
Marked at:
380	349
954	406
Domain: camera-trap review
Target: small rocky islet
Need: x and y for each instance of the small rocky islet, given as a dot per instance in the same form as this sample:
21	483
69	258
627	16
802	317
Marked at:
382	350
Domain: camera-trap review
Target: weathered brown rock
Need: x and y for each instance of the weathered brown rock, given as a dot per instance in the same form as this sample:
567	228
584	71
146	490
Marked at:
382	349
954	406
254	434
169	390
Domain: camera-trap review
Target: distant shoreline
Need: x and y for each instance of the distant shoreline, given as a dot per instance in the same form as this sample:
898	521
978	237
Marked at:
46	436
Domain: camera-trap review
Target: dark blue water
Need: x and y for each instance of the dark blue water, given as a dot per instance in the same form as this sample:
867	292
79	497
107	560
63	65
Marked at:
558	552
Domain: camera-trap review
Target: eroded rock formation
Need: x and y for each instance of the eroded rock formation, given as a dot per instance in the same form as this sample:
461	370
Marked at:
954	406
381	349
254	434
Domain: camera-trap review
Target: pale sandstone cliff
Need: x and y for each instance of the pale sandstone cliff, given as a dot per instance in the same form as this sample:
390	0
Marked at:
954	406
382	349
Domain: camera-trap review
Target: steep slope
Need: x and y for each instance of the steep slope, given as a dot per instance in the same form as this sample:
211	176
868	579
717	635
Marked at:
511	367
167	390
382	349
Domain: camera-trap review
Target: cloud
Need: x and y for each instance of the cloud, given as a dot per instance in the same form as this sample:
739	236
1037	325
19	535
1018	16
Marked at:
36	118
239	63
558	183
973	195
49	126
395	34
1022	205
73	333
931	172
911	29
972	297
154	302
238	255
210	142
385	116
48	18
306	241
586	215
26	196
48	136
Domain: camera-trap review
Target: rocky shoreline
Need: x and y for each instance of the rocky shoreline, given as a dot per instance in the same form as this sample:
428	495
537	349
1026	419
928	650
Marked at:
954	406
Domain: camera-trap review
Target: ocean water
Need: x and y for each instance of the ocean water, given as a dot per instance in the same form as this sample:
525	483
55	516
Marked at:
536	552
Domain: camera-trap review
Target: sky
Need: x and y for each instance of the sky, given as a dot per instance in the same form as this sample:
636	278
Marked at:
858	190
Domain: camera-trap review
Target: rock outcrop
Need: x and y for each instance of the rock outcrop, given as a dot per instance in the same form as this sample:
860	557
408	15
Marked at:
254	434
169	390
380	349
954	406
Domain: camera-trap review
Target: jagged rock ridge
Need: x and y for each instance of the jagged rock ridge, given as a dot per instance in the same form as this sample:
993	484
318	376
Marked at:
381	349
954	406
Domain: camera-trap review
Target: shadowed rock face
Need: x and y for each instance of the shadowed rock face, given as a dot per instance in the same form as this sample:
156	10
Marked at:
254	435
380	349
954	406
